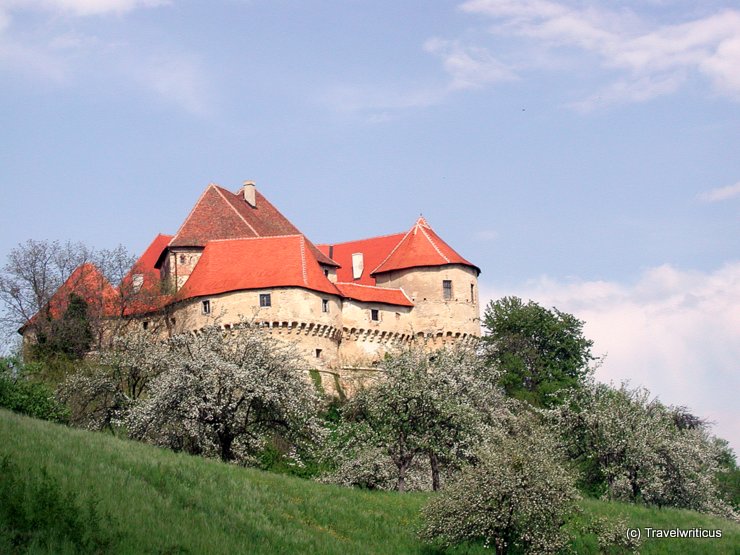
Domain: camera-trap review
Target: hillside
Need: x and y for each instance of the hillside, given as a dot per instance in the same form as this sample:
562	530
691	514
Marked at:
156	501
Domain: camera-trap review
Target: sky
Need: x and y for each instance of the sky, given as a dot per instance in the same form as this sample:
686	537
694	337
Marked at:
585	155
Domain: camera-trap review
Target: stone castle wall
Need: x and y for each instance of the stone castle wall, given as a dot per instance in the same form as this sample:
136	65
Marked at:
338	337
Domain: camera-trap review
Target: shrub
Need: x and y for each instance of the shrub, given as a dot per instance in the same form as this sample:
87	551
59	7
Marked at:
18	393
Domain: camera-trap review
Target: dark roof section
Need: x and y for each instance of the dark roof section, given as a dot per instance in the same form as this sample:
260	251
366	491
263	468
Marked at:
221	214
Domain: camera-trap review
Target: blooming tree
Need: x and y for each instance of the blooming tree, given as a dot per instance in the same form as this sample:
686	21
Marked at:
639	450
432	405
517	496
103	389
226	394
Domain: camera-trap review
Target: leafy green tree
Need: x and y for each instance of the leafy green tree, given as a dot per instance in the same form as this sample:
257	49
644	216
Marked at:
72	334
540	353
728	477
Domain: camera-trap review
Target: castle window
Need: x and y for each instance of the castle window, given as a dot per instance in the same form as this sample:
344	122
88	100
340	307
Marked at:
324	305
205	307
375	314
318	353
182	259
447	289
145	324
472	293
265	300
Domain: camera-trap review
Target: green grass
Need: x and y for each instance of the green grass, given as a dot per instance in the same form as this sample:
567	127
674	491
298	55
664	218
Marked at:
154	501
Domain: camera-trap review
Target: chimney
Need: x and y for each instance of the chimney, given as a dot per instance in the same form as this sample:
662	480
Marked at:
249	191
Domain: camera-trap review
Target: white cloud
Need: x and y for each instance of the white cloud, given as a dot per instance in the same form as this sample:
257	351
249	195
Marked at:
73	57
721	193
486	235
377	104
649	59
82	7
469	67
178	79
677	332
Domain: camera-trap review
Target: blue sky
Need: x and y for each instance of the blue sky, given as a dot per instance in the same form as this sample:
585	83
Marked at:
584	154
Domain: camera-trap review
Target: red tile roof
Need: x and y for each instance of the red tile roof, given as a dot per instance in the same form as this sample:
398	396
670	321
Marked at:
421	246
221	214
87	282
370	294
150	296
257	263
374	250
148	260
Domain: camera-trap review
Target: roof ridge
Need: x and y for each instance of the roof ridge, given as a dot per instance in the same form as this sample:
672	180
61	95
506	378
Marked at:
436	248
368	286
303	260
358	240
262	237
192	210
219	190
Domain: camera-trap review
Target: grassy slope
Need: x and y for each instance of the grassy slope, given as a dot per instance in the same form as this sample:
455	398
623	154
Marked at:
171	503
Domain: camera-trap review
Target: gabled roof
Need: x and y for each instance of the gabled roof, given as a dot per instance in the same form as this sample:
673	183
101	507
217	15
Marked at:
221	214
256	263
87	282
374	250
147	262
371	294
149	296
421	246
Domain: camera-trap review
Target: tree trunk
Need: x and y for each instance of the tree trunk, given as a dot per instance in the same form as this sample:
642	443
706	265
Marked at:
434	463
225	440
402	478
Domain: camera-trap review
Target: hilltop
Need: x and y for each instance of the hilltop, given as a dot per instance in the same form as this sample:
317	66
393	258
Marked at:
155	501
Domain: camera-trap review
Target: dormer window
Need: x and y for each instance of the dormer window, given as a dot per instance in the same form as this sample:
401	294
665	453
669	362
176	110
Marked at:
358	265
205	307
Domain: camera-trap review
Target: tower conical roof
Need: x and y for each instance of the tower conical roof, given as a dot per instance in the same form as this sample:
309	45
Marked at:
421	246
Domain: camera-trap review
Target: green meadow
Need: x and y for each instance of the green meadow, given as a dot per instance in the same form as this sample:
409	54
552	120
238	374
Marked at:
64	490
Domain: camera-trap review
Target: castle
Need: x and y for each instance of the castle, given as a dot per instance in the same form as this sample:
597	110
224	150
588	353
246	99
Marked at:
236	257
